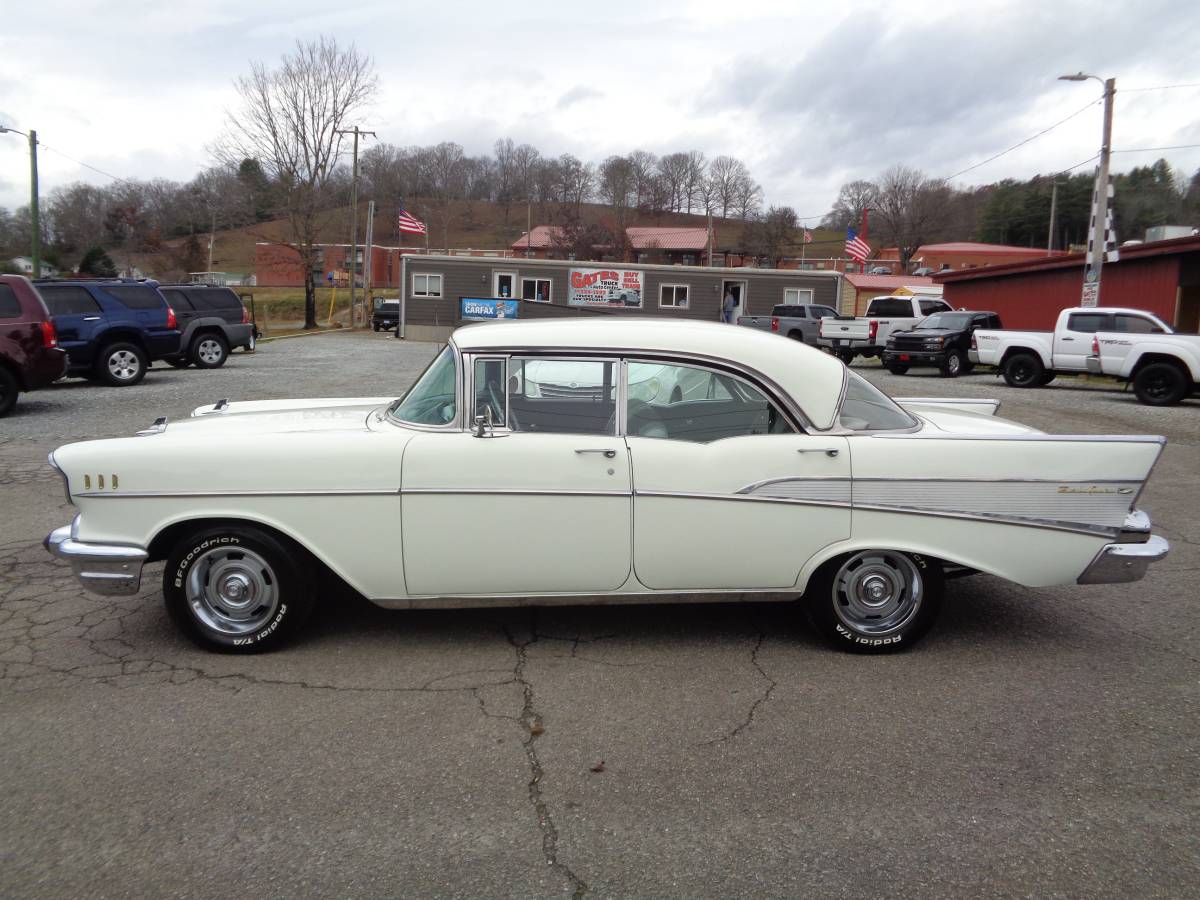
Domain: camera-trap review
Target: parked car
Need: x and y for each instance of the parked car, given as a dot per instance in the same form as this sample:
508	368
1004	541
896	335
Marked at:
386	316
798	478
1163	368
851	336
942	340
30	357
1033	358
923	272
212	321
879	270
801	322
111	330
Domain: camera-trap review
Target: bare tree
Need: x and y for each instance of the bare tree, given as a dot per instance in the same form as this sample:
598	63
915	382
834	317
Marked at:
852	199
725	177
747	196
642	166
288	120
673	174
912	208
616	186
696	180
771	235
447	176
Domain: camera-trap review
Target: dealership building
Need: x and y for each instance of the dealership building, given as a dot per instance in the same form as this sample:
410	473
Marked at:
435	290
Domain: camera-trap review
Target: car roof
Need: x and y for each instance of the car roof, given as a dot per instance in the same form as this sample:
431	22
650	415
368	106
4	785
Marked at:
813	379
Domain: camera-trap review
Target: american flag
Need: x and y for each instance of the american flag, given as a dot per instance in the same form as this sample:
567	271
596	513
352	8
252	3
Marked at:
856	247
807	236
410	224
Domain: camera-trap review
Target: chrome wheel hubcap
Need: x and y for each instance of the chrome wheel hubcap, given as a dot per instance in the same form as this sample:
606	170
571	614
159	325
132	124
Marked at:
232	591
209	351
123	365
877	591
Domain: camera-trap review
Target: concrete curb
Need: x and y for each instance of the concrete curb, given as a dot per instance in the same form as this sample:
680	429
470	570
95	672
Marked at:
299	334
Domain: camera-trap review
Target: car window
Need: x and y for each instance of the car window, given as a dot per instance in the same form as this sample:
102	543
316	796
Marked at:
689	403
866	408
560	396
176	299
1135	325
135	296
66	300
1089	323
890	306
956	321
213	299
929	307
822	312
432	399
10	307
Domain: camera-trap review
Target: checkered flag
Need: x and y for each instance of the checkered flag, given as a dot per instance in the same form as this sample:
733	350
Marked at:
1111	252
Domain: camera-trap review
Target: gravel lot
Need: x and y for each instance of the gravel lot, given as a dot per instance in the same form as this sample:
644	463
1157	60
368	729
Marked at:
1038	742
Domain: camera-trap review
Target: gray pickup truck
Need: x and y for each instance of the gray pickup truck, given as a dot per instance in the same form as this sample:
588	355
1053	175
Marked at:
800	322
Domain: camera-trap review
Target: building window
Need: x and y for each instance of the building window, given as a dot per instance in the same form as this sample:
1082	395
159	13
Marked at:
689	259
427	285
797	296
535	289
673	295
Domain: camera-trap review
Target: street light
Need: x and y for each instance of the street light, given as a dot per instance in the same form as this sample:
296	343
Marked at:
1093	276
33	198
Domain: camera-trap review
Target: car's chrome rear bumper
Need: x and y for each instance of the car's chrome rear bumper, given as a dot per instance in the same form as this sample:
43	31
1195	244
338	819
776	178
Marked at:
1124	562
108	569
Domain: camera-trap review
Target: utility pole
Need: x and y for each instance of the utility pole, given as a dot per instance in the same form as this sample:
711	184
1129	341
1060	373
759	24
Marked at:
1053	211
368	268
36	238
356	131
1091	288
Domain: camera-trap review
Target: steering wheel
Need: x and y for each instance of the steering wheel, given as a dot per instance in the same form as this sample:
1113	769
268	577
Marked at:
498	407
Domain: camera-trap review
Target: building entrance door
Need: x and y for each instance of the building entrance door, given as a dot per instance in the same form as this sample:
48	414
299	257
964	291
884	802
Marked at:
740	295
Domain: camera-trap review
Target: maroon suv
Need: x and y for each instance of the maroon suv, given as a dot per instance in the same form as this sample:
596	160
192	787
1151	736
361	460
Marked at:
30	357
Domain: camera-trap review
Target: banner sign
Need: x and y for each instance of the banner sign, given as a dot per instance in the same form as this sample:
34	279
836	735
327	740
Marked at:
480	308
605	287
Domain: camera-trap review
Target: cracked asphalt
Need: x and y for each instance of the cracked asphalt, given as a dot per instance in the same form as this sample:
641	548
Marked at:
1037	742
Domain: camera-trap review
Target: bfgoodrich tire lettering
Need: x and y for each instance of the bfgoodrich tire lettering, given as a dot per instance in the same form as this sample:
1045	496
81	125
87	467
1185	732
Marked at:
238	589
875	601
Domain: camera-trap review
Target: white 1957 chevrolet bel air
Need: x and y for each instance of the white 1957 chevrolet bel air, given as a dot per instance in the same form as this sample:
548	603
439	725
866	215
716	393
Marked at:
603	461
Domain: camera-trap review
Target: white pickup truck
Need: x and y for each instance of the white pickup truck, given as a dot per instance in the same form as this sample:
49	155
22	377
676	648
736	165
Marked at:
1164	367
851	336
1032	358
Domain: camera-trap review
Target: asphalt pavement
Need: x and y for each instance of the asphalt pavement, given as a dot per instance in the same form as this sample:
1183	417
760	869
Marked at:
1038	742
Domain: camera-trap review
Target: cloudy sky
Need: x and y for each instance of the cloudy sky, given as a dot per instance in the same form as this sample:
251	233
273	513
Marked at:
808	99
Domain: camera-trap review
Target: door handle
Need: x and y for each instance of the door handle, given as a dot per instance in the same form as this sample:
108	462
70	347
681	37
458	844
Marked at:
608	453
91	318
1068	339
828	451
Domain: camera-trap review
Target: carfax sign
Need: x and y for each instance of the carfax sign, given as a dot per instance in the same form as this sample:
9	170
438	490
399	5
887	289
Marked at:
488	308
605	287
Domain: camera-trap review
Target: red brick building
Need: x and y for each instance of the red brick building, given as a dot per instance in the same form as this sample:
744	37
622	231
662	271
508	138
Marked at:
961	255
1162	277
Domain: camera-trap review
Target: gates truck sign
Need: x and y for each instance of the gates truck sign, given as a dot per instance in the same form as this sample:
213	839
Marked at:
606	287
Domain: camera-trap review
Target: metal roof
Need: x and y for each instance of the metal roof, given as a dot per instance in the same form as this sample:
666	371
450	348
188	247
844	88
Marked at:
667	238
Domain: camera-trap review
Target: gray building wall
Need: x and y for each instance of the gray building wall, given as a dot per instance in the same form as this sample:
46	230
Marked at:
474	277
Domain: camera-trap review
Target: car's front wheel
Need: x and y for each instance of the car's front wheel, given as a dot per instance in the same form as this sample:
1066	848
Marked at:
238	589
1023	370
953	366
875	601
210	351
898	368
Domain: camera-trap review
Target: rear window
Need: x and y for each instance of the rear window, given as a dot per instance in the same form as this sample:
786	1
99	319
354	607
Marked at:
1089	323
176	299
791	312
213	298
135	296
1135	325
10	306
823	312
68	300
890	306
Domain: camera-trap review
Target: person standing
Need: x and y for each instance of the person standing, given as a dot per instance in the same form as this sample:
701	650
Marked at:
729	307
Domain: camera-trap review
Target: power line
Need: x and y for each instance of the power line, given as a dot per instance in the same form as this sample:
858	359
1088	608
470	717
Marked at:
1160	87
1156	149
1032	137
85	165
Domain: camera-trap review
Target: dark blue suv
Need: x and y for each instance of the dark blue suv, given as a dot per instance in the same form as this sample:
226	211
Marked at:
111	330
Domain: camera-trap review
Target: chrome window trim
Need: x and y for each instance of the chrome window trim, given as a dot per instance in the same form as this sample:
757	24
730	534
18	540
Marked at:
1039	436
948	401
317	492
515	492
767	385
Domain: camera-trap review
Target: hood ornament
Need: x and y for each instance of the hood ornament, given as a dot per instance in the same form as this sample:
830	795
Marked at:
159	426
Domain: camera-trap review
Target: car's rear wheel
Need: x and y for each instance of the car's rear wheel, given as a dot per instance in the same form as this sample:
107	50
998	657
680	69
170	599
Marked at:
210	351
1161	384
953	365
238	588
1023	370
898	368
875	601
8	391
121	365
846	356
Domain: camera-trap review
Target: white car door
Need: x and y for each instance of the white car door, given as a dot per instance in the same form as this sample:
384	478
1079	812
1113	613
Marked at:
1073	342
540	504
727	495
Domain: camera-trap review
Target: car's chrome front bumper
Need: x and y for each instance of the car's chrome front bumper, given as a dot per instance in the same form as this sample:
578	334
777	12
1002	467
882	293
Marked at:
108	569
1124	562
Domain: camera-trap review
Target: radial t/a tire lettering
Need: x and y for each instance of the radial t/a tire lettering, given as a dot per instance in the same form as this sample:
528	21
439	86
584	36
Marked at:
238	589
875	601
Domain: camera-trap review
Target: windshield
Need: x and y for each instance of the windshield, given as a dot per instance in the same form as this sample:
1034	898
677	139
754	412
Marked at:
866	408
431	401
953	321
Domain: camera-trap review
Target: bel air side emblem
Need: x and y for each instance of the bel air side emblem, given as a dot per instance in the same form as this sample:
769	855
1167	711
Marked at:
1092	489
